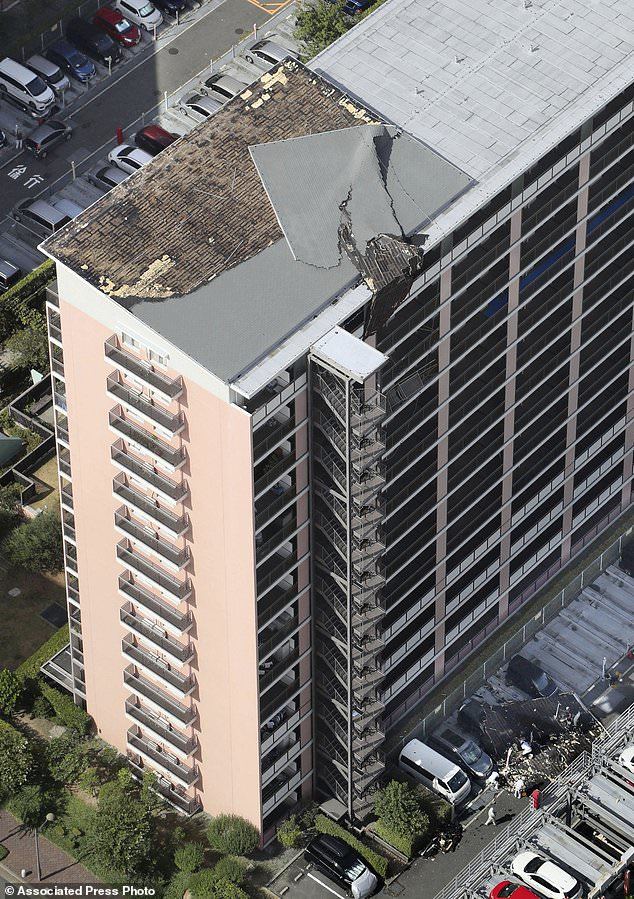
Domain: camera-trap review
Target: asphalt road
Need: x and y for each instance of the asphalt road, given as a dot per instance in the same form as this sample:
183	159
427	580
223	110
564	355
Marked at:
134	92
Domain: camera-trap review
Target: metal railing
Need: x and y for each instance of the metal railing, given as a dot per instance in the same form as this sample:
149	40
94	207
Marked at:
160	728
175	491
183	713
171	421
183	653
178	524
157	666
173	554
170	454
170	763
154	604
180	589
171	387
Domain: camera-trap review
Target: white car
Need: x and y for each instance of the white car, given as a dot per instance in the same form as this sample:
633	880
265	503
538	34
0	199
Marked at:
266	54
626	758
198	107
141	12
545	877
128	158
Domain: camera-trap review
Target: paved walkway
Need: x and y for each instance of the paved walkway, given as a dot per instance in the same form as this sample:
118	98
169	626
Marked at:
57	865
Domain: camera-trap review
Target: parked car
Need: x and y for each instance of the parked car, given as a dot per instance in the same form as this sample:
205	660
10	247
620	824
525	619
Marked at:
153	139
530	678
626	758
141	12
171	7
465	752
22	87
354	7
107	177
41	217
471	716
545	876
341	863
222	87
198	107
68	58
10	274
117	26
626	562
44	138
128	158
49	72
67	207
94	42
508	889
266	54
436	772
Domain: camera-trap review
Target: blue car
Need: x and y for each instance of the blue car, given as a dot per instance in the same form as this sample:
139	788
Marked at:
68	58
354	7
171	7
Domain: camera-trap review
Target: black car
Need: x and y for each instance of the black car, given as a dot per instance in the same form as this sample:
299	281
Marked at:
626	562
339	861
171	7
10	274
92	41
464	751
471	717
70	60
40	141
354	7
530	678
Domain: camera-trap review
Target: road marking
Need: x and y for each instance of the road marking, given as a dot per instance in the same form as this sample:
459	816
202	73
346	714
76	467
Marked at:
271	6
325	886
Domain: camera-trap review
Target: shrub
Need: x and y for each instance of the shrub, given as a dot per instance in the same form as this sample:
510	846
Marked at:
66	712
398	807
404	844
377	862
28	347
318	24
201	884
89	781
37	544
30	805
30	668
18	303
189	857
232	869
3	852
10	692
289	833
42	708
177	886
66	759
16	760
232	834
224	889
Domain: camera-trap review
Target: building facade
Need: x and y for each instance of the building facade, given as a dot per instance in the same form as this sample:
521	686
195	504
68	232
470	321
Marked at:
267	572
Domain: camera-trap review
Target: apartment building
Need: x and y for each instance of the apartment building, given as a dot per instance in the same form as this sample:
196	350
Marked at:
342	377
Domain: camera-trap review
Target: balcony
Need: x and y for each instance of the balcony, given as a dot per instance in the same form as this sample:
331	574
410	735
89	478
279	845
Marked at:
68	523
173	456
283	629
171	387
278	696
150	602
181	742
274	569
149	474
167	551
152	751
275	536
189	805
173	422
270	434
181	653
63	461
285	721
157	666
176	524
275	469
184	714
277	669
274	601
278	789
278	498
280	758
59	668
179	589
52	296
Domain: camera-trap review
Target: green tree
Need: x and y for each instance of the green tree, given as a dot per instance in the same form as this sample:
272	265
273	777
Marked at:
232	834
28	347
16	761
66	759
224	889
399	808
189	857
10	692
122	833
289	833
89	781
317	24
37	544
231	868
31	805
177	886
202	884
9	507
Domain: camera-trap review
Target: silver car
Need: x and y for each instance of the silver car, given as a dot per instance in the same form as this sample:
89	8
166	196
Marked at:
266	54
44	138
222	87
199	107
49	72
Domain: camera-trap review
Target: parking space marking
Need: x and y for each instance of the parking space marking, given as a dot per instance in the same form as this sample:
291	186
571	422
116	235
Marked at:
271	6
325	886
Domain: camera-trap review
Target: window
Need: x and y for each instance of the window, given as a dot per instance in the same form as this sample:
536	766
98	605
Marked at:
157	357
131	341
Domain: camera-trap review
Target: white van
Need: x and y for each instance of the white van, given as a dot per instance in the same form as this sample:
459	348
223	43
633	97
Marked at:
24	88
434	771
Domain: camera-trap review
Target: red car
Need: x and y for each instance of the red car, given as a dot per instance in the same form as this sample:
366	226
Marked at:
506	889
153	139
113	23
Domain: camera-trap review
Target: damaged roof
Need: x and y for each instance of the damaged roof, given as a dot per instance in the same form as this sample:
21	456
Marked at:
229	240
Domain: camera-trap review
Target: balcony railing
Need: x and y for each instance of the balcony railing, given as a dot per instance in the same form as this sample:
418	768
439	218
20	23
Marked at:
171	387
281	535
157	666
273	602
172	455
52	296
183	743
274	569
272	503
181	621
184	713
177	524
271	434
179	589
279	667
171	421
178	557
176	492
170	763
272	637
277	760
278	696
278	789
68	520
183	653
189	805
276	470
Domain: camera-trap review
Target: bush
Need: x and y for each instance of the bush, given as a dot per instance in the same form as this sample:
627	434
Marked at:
317	24
232	869
18	303
16	760
289	833
202	884
189	857
66	759
377	862
37	544
405	844
10	692
233	835
42	708
30	668
28	347
177	886
398	807
66	712
3	852
89	781
31	805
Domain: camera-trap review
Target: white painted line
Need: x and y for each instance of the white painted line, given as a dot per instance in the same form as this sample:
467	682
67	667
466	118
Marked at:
325	886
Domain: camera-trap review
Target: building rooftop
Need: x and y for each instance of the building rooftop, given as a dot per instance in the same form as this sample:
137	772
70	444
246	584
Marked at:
479	81
229	240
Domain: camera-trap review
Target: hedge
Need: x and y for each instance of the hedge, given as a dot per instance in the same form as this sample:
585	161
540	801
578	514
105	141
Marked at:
30	668
19	298
406	845
3	852
4	725
66	712
378	862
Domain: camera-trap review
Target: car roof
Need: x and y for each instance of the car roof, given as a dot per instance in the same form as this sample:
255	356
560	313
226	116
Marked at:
68	206
45	129
8	268
109	14
205	102
155	131
42	64
227	81
113	173
334	845
137	4
46	210
453	738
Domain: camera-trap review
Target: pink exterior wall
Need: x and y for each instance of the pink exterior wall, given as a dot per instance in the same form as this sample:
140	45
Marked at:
219	471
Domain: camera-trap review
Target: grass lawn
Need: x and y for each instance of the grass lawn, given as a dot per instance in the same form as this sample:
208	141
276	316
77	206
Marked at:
22	630
47	490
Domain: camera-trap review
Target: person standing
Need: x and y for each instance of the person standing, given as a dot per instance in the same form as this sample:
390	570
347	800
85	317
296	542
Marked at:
18	137
491	817
518	789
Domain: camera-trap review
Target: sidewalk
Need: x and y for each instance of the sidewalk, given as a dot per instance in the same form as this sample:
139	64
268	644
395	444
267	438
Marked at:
57	865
